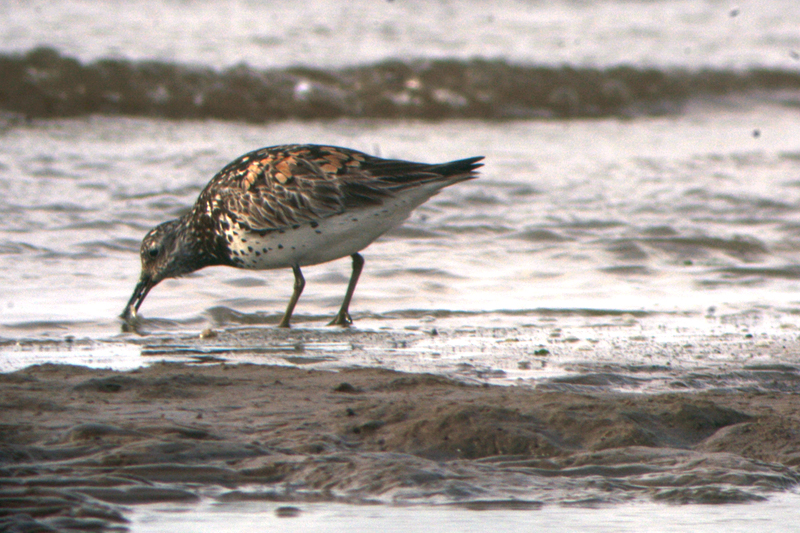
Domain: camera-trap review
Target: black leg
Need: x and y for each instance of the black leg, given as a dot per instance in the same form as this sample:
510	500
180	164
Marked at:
299	283
342	318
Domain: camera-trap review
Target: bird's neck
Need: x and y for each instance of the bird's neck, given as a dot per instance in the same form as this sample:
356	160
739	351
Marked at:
198	236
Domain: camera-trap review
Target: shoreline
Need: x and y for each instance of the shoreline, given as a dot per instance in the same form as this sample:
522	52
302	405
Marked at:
82	444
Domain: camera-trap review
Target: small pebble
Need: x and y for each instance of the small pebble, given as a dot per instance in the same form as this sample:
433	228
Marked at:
208	334
345	387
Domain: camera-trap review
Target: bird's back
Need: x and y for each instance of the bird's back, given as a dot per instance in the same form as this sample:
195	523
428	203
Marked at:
282	186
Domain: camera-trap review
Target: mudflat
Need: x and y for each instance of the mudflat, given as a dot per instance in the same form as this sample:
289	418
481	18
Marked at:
79	445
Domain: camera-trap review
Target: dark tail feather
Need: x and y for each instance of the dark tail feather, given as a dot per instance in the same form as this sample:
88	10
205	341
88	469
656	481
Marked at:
462	166
398	175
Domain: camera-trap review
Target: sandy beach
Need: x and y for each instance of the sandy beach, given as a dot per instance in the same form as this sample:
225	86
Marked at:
82	445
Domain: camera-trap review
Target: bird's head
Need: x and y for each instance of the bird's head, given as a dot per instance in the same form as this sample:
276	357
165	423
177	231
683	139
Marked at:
164	255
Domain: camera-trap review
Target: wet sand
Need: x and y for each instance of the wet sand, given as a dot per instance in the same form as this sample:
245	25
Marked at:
82	445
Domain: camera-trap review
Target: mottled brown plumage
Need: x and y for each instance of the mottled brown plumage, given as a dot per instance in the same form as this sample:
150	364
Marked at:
291	206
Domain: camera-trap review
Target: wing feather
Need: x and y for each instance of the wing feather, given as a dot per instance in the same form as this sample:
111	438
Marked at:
280	187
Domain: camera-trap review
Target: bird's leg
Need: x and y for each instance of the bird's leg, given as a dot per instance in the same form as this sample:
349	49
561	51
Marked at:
299	283
342	318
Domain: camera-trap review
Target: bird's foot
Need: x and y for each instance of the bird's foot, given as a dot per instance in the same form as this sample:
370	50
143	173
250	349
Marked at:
342	319
130	320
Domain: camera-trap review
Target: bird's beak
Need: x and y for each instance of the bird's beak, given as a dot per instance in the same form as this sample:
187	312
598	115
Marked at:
142	288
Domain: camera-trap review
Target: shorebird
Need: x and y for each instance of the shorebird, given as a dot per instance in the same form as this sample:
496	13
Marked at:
292	206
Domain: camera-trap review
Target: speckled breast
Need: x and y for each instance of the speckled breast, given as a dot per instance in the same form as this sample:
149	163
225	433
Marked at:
315	242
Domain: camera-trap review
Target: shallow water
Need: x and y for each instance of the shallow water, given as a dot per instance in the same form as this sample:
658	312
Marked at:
658	215
778	515
265	34
579	237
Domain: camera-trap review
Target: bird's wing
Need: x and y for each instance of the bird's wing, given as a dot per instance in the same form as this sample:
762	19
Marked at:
283	186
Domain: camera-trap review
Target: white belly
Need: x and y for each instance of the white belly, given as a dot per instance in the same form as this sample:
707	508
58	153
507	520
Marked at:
331	238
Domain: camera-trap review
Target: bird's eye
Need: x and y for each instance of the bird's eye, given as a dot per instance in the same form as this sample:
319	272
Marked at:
153	252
